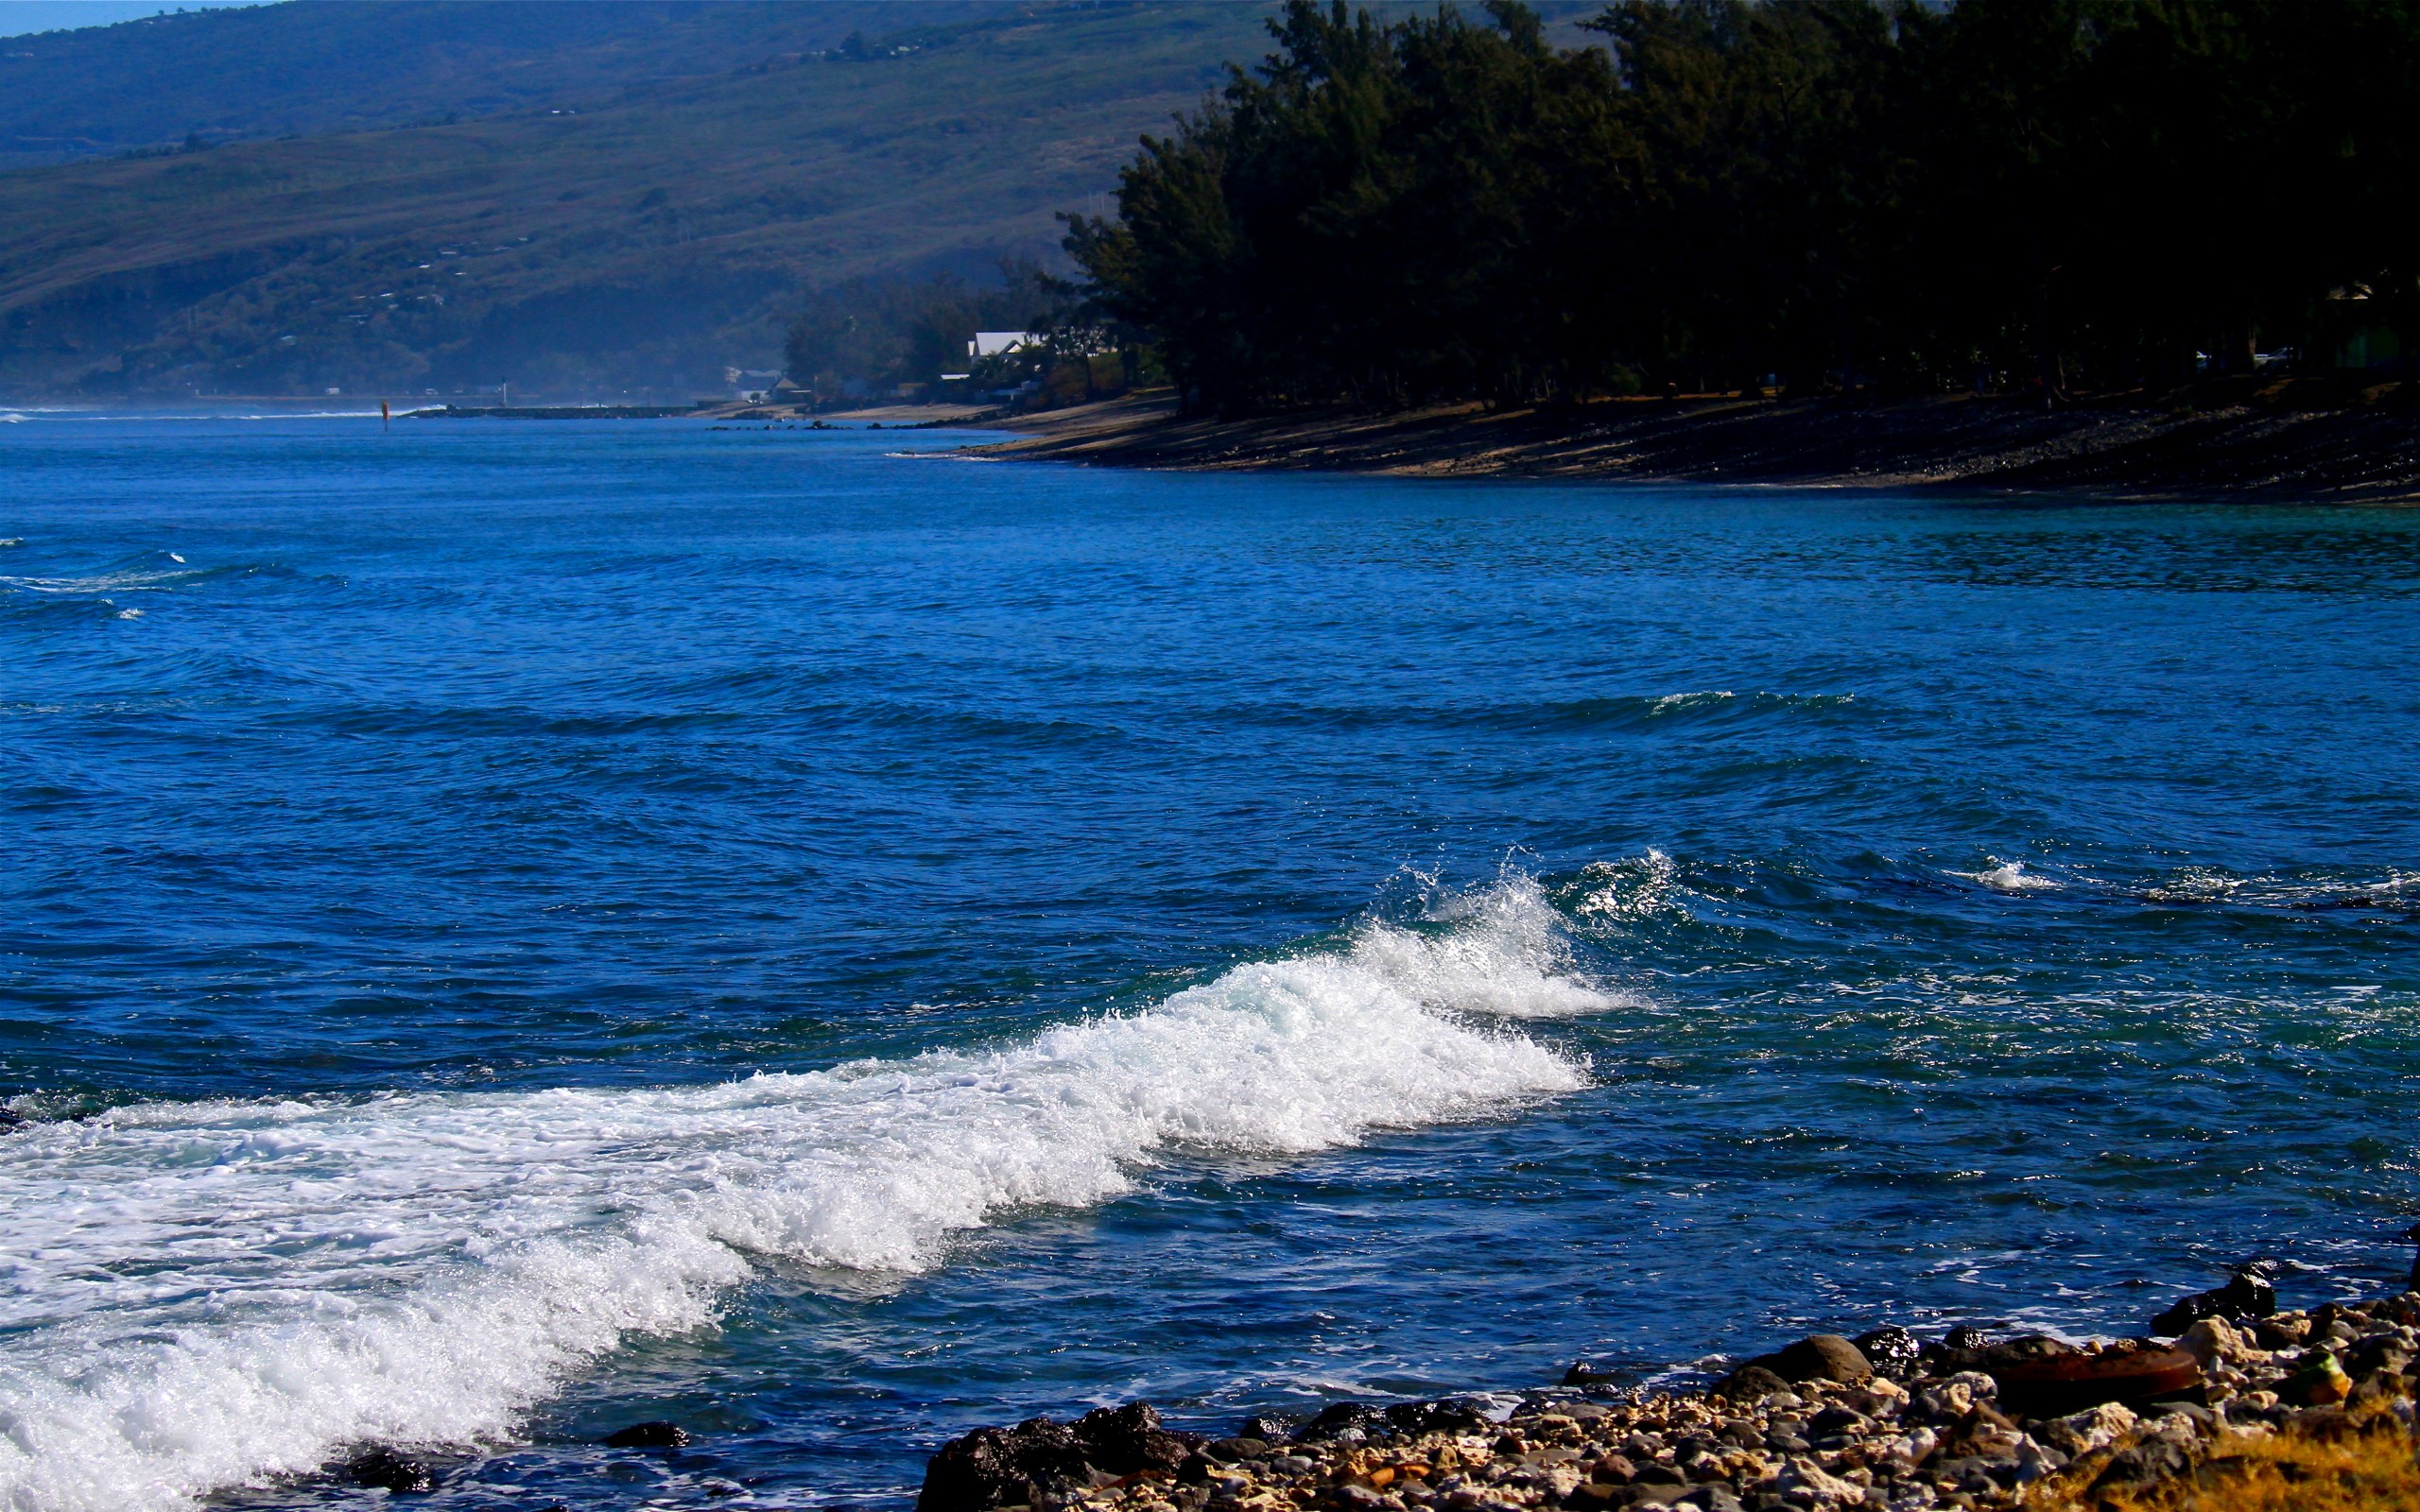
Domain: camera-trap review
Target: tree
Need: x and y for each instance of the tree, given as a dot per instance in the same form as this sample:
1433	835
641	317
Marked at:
2046	195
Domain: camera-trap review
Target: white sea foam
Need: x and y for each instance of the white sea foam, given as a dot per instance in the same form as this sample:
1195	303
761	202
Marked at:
202	1295
2009	876
1631	889
1703	699
2196	884
132	580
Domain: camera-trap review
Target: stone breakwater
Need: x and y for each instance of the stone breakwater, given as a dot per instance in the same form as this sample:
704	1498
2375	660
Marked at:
1883	1422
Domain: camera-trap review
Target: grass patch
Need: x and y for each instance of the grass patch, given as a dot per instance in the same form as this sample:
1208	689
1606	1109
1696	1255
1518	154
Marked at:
2334	1464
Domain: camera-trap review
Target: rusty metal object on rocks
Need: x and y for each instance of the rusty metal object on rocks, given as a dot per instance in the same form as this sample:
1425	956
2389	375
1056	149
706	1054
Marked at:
2058	1384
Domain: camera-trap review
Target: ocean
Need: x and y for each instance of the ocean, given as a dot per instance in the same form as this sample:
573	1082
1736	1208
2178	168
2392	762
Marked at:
513	930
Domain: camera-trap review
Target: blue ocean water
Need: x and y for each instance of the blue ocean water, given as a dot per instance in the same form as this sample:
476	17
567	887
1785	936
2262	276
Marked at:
512	930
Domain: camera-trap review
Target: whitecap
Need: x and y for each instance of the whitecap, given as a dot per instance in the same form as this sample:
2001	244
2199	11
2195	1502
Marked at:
1704	699
204	1295
2010	876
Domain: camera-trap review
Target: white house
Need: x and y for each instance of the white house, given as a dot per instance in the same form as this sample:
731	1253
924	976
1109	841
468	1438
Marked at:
992	343
753	384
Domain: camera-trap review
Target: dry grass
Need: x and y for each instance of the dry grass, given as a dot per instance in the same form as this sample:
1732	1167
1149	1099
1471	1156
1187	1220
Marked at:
2362	1467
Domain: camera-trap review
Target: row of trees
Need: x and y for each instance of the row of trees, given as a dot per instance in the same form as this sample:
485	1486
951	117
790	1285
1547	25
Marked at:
2048	195
855	339
854	342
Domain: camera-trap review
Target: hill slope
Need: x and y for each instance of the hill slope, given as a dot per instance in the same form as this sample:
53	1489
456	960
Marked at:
307	66
647	234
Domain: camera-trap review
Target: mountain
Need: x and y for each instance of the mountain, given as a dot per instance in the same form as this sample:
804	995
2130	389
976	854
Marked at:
577	197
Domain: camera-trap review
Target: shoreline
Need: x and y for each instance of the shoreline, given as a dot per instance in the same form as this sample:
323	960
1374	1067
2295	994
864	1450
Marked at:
2238	1413
2234	443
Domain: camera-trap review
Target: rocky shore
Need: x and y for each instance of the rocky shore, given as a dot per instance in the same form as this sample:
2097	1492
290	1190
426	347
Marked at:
2291	441
2243	1407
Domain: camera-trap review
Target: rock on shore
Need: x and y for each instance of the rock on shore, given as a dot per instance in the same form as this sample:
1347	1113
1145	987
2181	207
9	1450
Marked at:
1884	1421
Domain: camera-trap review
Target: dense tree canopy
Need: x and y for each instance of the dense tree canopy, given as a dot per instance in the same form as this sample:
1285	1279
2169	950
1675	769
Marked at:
2020	195
853	339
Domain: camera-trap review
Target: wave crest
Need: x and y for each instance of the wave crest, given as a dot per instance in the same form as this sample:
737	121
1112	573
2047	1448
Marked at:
214	1293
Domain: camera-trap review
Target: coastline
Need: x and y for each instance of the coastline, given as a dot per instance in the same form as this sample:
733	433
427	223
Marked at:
2235	444
2308	1410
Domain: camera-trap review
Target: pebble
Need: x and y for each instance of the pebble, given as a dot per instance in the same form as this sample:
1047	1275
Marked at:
1821	1425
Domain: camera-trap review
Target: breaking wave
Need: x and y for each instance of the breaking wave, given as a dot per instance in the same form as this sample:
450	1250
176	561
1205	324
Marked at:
206	1295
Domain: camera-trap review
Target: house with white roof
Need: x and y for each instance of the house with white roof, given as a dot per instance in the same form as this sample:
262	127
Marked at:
993	343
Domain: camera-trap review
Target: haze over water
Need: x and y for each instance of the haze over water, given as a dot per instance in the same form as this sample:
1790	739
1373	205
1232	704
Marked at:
547	926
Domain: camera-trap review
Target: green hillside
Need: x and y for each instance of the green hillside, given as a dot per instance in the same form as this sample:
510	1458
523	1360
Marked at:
308	66
641	215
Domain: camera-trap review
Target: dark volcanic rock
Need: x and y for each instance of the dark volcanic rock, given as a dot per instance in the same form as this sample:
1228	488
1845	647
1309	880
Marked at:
1891	1351
1832	1421
2250	1294
1343	1420
1266	1427
1452	1414
1004	1466
1750	1383
1040	1459
657	1435
1122	1440
1824	1357
1961	1349
383	1467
